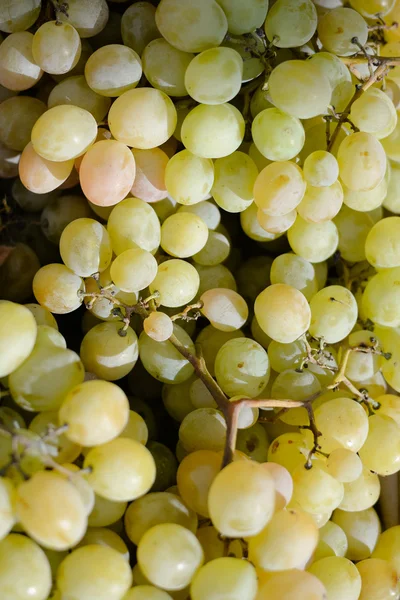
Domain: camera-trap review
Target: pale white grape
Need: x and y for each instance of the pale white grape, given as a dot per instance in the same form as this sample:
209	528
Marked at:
18	15
333	313
136	428
217	276
158	326
207	211
314	242
113	70
337	29
215	251
321	169
195	474
362	161
104	537
374	113
225	575
344	465
366	200
18	69
225	309
85	247
383	433
18	332
378	578
57	288
42	315
387	547
138	26
295	271
291	24
277	135
134	224
61	37
211	340
165	67
133	270
75	90
234	180
279	188
315	490
338	75
193	235
105	512
214	76
353	228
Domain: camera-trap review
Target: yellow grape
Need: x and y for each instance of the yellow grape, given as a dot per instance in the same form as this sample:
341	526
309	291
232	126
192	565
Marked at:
165	67
234	180
107	172
353	227
315	490
134	224
18	69
195	474
374	113
378	579
362	529
277	135
89	17
244	19
296	272
321	169
224	308
211	340
291	584
333	313
104	537
279	188
380	301
381	246
189	178
320	204
40	175
344	465
225	575
136	428
149	183
113	70
85	247
273	224
384	433
146	592
314	242
290	450
332	541
370	8
75	91
339	576
338	27
138	26
105	512
18	332
362	493
57	288
291	24
42	315
283	484
177	282
143	118
133	270
61	36
362	161
193	235
203	429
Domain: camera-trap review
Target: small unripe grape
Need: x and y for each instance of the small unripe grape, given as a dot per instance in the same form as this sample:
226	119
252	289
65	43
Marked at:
158	326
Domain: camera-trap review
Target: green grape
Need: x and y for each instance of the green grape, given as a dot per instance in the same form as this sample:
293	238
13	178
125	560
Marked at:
7	507
63	132
321	169
213	546
296	272
105	512
203	429
94	570
343	423
353	228
89	17
18	69
389	407
315	490
291	24
163	361
282	312
213	131
339	77
224	308
378	579
253	442
387	547
75	90
333	313
244	19
65	449
199	395
101	307
57	288
18	16
177	282
166	466
380	301
225	575
215	276
113	70
383	433
320	204
107	354
391	200
362	161
390	144
146	592
242	368
374	113
241	499
164	67
189	178
367	200
260	101
214	76
104	537
211	339
286	356
370	8
17	118
288	541
134	224
195	474
143	118
138	26
62	36
192	237
176	399
191	26
85	247
252	227
206	210
381	246
339	576
235	176
289	584
300	89
344	465
277	135
17	272
252	64
337	29
279	188
215	250
136	428
61	211
332	541
121	470
360	365
253	275
297	386
25	569
29	201
133	270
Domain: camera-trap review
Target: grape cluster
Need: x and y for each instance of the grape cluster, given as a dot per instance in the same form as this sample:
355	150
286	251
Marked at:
201	200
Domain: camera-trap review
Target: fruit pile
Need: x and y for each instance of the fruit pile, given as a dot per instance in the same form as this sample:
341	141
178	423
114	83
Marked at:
200	299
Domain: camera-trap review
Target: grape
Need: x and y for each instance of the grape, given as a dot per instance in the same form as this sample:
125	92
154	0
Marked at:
366	200
339	576
339	77
105	512
17	286
94	570
241	499
57	288
146	592
193	235
65	449
111	34
211	340
381	247
320	204
203	429
62	36
195	474
364	113
113	70
353	228
235	176
163	361
380	299
378	579
85	247
315	490
42	315
215	251
361	365
242	368
136	428
190	25
286	356
18	69
287	542
389	407
61	211
252	227
344	465
385	434
362	161
290	450
343	423
25	570
279	188
104	537
225	309
7	506
314	242
18	16
63	132
291	24
177	282
165	67
89	17
282	312
39	175
51	511
321	169
337	29
18	331
297	386
149	184
253	275
200	397
213	131
143	118
276	225
133	270
155	509
17	118
206	210
158	326
107	354
122	469
134	224
277	135
370	8
75	91
333	313
332	541
292	583
214	76
244	19
296	272
225	575
138	26
300	89
32	202
387	547
189	178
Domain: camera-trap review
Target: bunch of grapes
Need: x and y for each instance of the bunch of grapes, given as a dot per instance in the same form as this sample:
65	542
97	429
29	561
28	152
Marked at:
200	198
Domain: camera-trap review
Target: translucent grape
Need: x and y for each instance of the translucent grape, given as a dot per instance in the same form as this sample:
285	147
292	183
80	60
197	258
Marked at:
149	183
337	28
321	204
289	584
286	356
381	246
235	176
277	135
321	169
244	19
18	69
66	450
242	367
122	469
276	225
177	282
165	66
296	386
61	36
136	428
279	188
291	24
138	26
214	76
94	570
289	450
333	313
362	365
89	17
57	288
163	361
61	211
240	485
282	312
353	228
385	434
314	242
105	512
191	26
18	16
380	301
195	474
300	89
203	429
211	340
332	541
146	592
18	332
143	118
344	465
39	175
113	70
75	90
158	326
296	272
374	113
213	131
315	490
207	211
225	575
378	579
362	161
339	576
193	234
215	250
189	178
85	247
133	270
134	224
339	431
225	309
107	354
338	75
